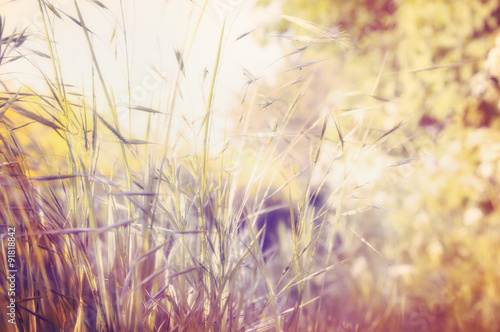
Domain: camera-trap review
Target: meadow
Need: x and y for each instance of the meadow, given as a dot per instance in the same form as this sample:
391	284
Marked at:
312	203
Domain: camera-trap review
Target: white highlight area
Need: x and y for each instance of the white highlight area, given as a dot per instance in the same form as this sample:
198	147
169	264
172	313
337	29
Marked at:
140	47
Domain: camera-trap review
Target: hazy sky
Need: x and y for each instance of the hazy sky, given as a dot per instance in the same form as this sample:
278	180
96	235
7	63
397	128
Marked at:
155	29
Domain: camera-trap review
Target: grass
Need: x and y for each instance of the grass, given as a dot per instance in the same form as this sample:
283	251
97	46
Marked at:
277	229
160	240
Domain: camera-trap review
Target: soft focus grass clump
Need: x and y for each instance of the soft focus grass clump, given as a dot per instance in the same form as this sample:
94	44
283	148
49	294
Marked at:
156	233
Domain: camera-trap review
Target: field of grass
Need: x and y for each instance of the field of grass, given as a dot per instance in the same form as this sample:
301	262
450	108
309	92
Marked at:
305	212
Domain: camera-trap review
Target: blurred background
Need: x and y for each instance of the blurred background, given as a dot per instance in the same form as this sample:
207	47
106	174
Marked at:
435	66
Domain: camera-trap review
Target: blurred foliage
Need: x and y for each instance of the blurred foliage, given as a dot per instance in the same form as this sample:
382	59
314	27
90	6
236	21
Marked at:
451	234
435	66
432	48
360	17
